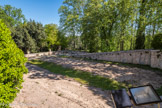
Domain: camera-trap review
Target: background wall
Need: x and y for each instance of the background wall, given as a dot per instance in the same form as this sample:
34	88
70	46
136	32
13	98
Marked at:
144	57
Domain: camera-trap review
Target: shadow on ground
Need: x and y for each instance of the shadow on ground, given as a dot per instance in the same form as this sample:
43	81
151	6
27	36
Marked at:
36	72
134	76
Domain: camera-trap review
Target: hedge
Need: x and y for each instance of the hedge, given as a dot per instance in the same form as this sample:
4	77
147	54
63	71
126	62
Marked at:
12	67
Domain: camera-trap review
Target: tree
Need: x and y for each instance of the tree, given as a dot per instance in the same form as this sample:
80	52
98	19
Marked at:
147	17
11	16
70	16
90	25
140	32
125	13
51	31
12	67
23	39
29	42
18	36
62	40
37	32
111	25
157	41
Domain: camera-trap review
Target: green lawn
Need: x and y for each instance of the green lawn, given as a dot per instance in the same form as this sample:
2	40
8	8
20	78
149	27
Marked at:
84	77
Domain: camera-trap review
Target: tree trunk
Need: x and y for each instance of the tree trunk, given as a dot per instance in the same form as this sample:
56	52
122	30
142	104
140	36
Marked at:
140	38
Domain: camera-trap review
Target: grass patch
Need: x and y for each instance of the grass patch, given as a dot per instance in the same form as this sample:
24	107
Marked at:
63	56
81	81
81	76
85	77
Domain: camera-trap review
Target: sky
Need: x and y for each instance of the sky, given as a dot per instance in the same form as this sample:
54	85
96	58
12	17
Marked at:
44	11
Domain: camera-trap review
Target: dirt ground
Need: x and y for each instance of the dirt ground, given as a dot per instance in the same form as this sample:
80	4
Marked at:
134	76
43	89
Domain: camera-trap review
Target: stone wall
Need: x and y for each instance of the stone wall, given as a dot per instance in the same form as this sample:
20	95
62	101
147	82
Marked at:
152	58
39	54
144	57
156	59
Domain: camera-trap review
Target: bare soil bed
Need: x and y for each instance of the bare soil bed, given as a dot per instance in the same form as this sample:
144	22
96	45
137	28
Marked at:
43	89
134	76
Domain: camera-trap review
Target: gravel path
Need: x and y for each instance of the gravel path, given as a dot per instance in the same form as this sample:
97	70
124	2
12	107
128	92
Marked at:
43	89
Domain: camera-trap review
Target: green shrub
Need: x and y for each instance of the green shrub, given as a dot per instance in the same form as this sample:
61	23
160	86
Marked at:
157	41
12	67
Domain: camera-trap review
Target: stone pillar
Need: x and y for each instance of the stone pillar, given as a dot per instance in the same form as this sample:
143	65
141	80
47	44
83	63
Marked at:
59	49
50	52
28	53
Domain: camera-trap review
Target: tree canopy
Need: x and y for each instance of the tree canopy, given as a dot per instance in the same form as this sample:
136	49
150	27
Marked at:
51	31
90	25
111	25
31	36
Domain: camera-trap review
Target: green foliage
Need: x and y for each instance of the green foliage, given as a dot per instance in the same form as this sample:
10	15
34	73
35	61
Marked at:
51	31
23	40
14	19
62	40
29	42
149	16
18	36
70	13
111	25
12	67
70	19
157	41
33	37
140	41
30	36
11	15
56	38
80	76
37	33
148	41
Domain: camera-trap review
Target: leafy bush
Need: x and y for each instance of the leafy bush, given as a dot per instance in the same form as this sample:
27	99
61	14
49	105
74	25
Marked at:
12	67
157	41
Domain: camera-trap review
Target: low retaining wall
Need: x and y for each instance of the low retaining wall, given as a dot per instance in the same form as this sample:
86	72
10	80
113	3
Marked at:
39	54
152	58
156	59
144	57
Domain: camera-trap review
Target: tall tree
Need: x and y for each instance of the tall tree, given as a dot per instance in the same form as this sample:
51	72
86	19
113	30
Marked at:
90	25
148	16
141	28
37	32
11	15
113	25
62	40
51	31
23	39
70	14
